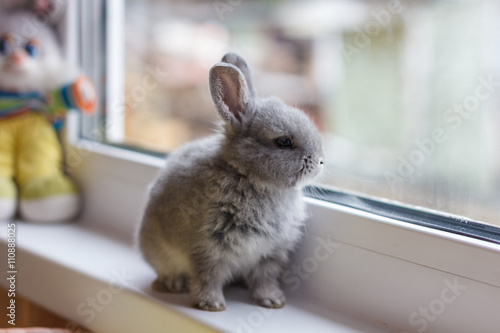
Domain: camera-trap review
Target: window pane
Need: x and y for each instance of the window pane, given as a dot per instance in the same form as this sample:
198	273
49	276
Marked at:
406	93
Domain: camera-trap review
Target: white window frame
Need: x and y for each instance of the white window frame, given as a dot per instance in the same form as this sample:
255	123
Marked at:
372	276
115	60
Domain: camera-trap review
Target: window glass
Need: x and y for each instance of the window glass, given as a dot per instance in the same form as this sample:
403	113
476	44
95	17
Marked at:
405	92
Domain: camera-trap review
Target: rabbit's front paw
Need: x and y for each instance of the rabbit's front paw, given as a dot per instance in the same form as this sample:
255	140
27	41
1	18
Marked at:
206	293
209	305
272	303
274	299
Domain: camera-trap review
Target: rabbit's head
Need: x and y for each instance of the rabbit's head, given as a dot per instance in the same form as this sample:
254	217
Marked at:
267	140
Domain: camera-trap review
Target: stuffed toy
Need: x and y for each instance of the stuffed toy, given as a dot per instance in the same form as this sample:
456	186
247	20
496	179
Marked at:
37	87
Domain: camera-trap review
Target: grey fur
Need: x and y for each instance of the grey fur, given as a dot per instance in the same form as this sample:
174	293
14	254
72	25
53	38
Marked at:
230	206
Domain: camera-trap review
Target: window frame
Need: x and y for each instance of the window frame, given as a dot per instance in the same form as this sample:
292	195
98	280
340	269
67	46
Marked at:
418	216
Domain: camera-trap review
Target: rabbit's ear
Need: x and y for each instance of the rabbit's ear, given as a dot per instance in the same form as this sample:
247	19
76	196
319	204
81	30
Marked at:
230	92
236	60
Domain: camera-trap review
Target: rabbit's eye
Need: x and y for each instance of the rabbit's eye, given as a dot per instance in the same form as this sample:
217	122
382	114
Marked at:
284	142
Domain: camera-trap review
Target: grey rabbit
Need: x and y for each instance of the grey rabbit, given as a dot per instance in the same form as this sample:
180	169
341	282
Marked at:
230	207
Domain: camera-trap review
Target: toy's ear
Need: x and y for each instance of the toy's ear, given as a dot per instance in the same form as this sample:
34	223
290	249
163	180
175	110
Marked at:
230	92
49	11
52	11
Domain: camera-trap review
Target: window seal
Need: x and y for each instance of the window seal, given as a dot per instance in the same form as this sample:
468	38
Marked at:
452	224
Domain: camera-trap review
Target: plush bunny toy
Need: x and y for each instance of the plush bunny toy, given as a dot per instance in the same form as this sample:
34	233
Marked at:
36	89
230	206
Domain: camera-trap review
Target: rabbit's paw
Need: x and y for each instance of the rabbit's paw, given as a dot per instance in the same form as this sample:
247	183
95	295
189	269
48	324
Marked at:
172	284
271	303
209	305
273	300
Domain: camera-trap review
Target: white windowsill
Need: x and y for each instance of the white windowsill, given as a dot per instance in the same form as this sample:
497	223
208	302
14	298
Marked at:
60	266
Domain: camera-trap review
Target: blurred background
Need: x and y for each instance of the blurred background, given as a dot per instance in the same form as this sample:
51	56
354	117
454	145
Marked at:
405	92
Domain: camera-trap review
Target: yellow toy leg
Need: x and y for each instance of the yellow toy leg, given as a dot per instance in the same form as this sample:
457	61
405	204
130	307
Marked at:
39	153
46	194
8	192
